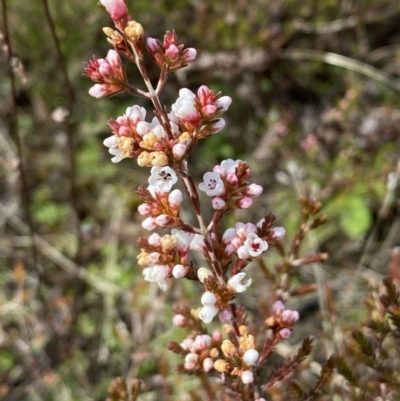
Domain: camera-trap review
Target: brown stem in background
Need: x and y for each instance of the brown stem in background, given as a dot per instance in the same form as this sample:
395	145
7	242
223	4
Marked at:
70	105
16	136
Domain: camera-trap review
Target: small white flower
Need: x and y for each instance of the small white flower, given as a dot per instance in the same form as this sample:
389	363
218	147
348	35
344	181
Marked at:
175	198
207	313
135	113
197	243
184	240
255	245
236	284
156	274
230	165
212	185
163	178
184	106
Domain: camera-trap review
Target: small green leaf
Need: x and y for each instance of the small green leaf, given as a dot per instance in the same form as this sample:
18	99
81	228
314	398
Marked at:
355	218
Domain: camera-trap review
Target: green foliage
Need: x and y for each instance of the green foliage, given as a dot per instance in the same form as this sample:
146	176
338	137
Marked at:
355	218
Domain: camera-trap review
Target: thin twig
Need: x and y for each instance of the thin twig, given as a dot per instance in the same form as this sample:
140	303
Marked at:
15	134
69	129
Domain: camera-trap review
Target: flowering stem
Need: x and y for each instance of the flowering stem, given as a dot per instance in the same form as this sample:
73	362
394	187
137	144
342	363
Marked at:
194	198
152	93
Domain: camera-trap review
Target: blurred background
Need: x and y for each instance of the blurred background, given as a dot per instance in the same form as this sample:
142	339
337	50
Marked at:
315	88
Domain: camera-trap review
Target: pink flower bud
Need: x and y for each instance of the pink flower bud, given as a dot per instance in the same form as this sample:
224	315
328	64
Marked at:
243	252
209	110
253	190
218	126
175	198
290	316
162	220
99	90
179	320
225	315
278	233
232	179
202	341
114	59
179	150
229	250
179	271
247	377
149	224
172	52
152	45
217	335
154	258
116	8
154	239
244	202
278	307
189	54
285	333
218	203
236	242
144	209
124	131
208	364
223	103
189	366
105	70
228	235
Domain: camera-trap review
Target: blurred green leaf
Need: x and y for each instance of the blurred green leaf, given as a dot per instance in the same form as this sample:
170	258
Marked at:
355	218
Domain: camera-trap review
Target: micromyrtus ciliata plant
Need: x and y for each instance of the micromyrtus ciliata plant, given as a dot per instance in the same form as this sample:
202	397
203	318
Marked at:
230	362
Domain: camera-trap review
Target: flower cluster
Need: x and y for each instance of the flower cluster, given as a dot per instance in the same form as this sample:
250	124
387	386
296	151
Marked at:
164	144
238	360
165	256
108	75
170	54
282	320
227	185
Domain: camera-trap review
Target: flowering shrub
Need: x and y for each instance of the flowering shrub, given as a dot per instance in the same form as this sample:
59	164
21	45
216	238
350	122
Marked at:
237	352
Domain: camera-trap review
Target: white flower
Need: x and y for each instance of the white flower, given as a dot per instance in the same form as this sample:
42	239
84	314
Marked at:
236	284
250	357
184	239
184	106
136	113
255	245
230	165
207	313
156	274
212	185
163	178
197	243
